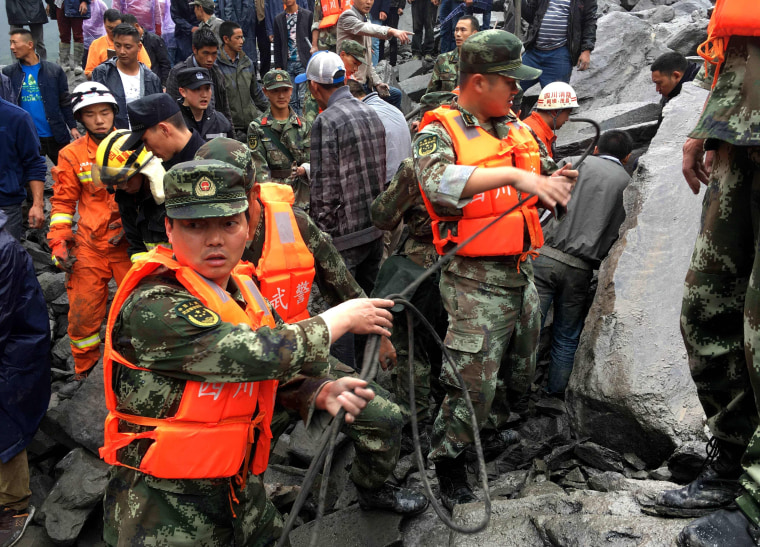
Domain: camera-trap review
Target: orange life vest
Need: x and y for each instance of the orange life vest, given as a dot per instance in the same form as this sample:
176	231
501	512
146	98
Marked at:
729	18
214	430
542	130
331	10
286	268
474	146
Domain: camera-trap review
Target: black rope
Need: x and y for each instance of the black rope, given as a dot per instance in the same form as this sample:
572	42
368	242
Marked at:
327	442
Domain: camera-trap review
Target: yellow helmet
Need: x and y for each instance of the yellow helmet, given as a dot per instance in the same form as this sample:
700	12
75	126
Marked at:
114	165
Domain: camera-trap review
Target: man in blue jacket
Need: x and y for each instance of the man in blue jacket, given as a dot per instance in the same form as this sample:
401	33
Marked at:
41	88
20	164
24	379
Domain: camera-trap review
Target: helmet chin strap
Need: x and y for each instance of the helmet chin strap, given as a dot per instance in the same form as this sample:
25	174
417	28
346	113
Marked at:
98	136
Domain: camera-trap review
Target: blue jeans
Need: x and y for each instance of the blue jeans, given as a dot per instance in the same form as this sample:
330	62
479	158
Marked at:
376	43
296	100
14	224
555	64
567	288
447	29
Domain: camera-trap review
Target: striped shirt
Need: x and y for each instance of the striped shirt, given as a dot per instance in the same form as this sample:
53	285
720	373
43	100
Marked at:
553	31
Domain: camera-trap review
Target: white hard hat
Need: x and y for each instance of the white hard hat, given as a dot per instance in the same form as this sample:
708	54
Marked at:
557	96
92	93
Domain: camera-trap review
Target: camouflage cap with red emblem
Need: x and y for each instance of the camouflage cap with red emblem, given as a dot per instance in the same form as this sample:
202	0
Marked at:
275	79
204	189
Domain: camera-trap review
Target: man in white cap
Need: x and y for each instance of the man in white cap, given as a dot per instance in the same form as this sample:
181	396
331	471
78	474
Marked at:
347	171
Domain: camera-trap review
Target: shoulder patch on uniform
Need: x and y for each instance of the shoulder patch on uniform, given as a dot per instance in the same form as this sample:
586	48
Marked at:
427	145
198	315
253	140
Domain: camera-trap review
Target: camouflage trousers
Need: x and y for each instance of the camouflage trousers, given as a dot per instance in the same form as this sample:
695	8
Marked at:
720	316
375	433
140	510
493	338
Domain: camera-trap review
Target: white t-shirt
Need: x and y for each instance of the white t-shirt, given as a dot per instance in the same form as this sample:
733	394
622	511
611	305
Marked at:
131	85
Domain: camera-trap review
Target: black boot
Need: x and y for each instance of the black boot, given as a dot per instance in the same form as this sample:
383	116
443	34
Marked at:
452	480
403	501
716	486
494	445
725	527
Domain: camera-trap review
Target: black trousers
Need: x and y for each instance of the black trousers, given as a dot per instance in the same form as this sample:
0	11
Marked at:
265	47
391	21
50	148
423	16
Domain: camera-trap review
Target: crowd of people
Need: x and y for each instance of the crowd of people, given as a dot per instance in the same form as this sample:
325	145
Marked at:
215	194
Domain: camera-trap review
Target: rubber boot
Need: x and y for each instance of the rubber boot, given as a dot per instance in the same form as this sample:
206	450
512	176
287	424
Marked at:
76	59
726	527
452	480
64	57
403	501
716	486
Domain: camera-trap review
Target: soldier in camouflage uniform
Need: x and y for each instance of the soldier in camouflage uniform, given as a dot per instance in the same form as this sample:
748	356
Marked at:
446	68
152	329
720	316
377	448
280	139
492	302
327	37
402	201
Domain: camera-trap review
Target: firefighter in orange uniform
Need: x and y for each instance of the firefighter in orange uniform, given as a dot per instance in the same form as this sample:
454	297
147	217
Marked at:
97	252
553	109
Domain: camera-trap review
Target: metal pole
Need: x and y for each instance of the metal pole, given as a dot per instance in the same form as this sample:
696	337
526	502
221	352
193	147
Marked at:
518	18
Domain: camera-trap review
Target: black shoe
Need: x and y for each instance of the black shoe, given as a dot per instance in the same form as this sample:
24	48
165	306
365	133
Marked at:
494	445
717	486
452	481
403	501
726	527
13	525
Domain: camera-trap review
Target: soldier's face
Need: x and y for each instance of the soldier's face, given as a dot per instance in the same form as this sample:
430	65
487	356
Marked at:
210	246
500	92
462	31
279	97
665	83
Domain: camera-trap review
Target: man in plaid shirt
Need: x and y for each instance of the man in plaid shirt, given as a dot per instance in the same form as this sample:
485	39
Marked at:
347	169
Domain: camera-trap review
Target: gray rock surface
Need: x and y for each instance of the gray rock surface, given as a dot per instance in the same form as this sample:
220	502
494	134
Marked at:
415	87
631	389
78	491
353	526
622	72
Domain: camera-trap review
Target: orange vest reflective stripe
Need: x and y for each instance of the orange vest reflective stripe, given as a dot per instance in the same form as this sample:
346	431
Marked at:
331	10
474	146
286	268
214	430
729	18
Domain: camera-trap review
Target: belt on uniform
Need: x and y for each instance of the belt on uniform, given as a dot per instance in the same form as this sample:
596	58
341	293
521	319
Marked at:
565	258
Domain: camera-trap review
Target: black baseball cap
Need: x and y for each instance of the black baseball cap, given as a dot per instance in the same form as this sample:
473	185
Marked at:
146	112
193	77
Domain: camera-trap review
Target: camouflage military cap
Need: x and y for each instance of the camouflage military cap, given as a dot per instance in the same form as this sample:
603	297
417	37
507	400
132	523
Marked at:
276	78
495	52
355	49
204	189
232	152
434	99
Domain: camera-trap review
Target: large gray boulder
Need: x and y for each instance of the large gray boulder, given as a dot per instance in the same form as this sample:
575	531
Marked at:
78	491
625	47
630	389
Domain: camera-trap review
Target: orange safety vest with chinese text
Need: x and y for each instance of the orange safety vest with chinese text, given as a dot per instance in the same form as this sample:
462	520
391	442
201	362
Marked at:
215	428
331	10
286	268
474	146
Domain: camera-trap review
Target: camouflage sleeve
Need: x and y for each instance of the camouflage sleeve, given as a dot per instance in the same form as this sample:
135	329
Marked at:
402	193
258	153
317	15
336	284
435	165
435	78
153	331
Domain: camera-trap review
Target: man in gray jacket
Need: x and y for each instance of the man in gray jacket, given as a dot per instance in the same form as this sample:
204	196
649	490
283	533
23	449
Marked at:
576	245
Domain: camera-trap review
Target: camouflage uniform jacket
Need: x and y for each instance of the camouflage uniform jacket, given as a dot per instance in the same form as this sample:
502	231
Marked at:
732	112
435	164
336	284
310	108
402	200
270	163
328	37
151	333
445	72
